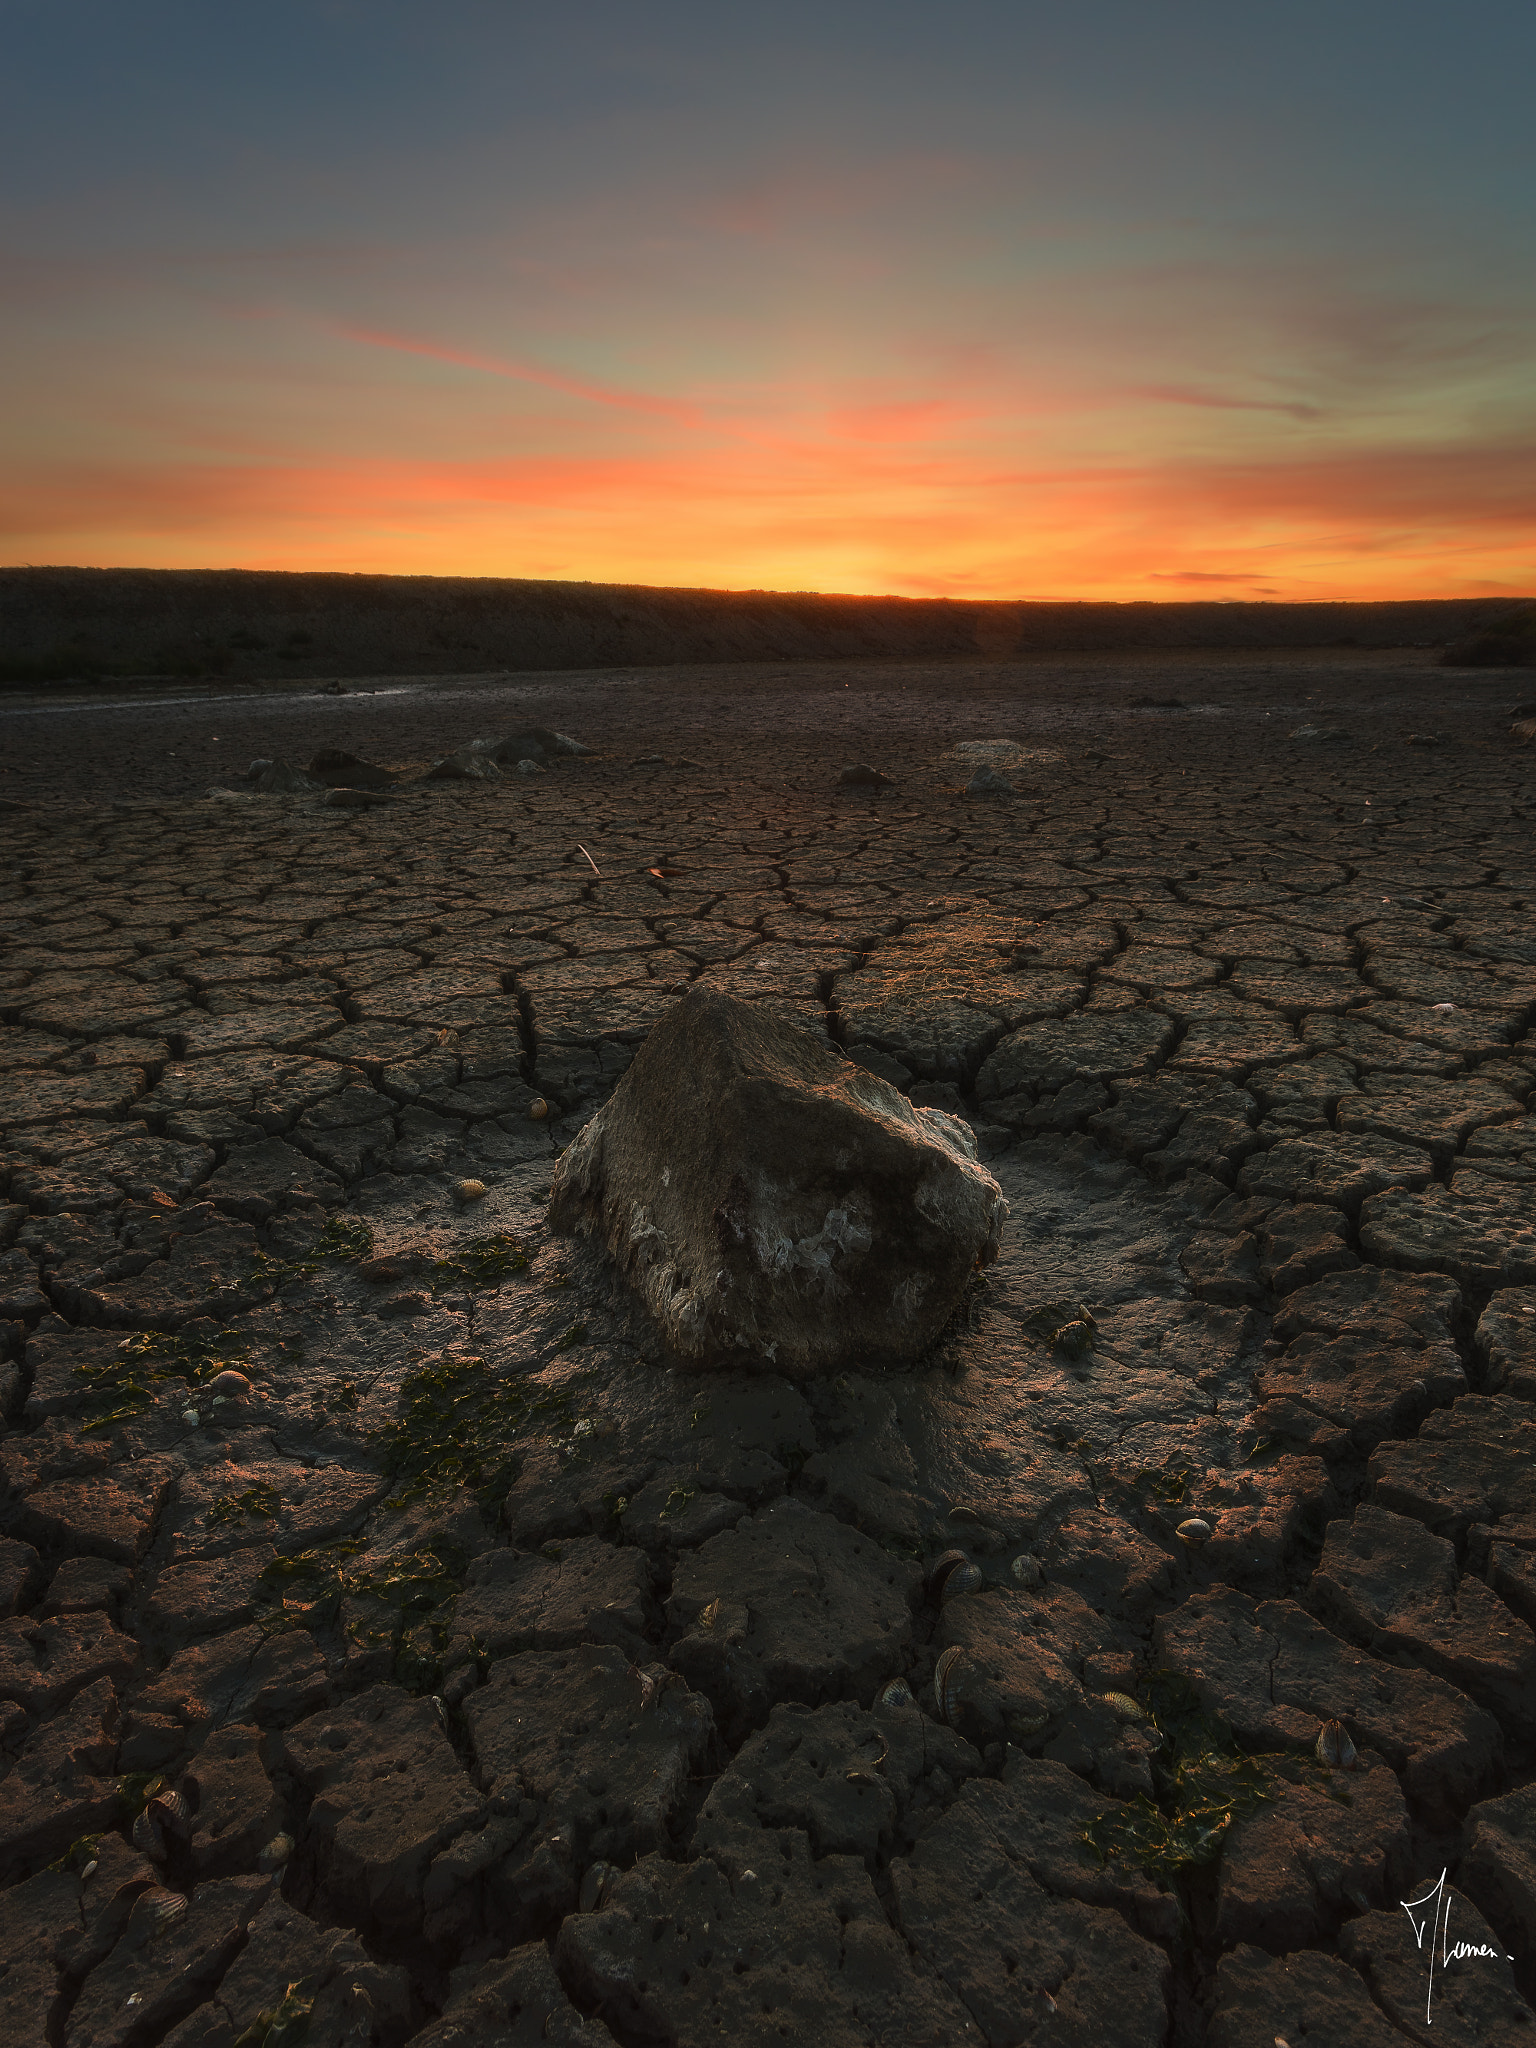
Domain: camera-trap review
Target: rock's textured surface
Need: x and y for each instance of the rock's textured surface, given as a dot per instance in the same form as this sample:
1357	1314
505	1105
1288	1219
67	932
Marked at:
768	1201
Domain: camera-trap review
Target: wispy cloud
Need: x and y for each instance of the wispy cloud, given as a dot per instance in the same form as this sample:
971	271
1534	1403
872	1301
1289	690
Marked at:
1195	576
678	411
1217	401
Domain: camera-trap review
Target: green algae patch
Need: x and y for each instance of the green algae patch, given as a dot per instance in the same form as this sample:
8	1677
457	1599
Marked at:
81	1851
344	1240
460	1427
260	1499
398	1602
1203	1783
1166	1484
123	1386
412	1580
483	1262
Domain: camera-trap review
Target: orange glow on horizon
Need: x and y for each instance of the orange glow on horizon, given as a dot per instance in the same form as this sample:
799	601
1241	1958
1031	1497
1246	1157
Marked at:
863	510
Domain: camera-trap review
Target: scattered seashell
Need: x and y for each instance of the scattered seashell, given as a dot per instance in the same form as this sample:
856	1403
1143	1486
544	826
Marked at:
963	1514
654	1680
593	1885
953	1573
89	1871
230	1385
156	1912
146	1838
731	1620
275	1854
171	1811
1194	1532
538	1109
894	1697
1025	1571
190	1417
867	1770
1075	1338
465	1191
1123	1707
1442	1006
1335	1751
948	1675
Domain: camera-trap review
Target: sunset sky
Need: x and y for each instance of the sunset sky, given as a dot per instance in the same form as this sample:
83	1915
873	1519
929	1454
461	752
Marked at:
994	298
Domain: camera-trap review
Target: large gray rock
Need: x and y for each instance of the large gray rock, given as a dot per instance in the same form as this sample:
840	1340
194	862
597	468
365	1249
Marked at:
771	1201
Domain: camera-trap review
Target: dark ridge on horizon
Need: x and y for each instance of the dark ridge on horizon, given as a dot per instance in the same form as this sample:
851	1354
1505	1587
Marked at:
59	624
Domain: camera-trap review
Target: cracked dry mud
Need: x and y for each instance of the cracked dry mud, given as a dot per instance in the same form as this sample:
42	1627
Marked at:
451	1670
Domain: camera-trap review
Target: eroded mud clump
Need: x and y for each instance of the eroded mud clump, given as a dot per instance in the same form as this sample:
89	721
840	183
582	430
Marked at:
770	1200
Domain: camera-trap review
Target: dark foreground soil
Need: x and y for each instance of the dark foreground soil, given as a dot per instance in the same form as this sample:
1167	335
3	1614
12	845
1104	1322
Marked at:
458	1671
